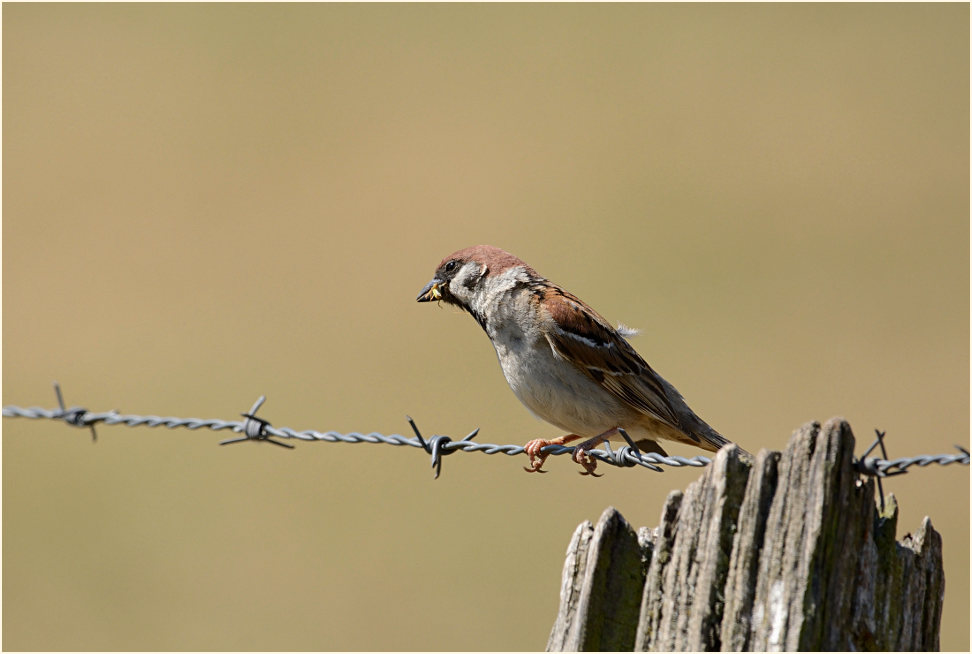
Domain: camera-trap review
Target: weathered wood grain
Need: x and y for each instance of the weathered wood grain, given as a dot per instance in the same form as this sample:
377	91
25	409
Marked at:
600	597
783	552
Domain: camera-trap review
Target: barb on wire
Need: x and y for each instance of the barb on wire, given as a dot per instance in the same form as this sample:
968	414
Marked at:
880	468
629	455
438	446
74	415
878	442
255	428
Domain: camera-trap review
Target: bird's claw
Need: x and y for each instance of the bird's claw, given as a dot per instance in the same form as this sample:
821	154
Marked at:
537	458
589	463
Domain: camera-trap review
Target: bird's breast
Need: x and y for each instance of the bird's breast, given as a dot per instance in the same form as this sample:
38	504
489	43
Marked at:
553	389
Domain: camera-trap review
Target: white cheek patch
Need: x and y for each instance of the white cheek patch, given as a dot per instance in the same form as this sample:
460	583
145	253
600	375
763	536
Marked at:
463	285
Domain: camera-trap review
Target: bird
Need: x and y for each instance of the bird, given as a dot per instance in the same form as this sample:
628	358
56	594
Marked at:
565	362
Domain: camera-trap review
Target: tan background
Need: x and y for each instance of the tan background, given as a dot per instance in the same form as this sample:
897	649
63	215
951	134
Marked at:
203	204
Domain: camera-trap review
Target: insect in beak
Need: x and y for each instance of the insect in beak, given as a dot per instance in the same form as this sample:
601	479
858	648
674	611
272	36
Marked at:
431	292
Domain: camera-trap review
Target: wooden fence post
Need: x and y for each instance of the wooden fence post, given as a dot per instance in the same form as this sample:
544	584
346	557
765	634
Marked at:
787	552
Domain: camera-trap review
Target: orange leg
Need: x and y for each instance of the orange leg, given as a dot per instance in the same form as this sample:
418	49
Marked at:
537	457
581	456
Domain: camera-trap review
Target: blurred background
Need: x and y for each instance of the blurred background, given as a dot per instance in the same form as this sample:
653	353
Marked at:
206	203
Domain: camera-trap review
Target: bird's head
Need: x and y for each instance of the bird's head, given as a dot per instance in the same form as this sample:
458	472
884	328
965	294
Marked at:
463	275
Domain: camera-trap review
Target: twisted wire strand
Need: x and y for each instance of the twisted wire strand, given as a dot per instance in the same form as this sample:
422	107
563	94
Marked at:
80	417
887	468
254	428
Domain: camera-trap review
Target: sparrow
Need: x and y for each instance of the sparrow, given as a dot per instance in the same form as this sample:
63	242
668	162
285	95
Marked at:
564	361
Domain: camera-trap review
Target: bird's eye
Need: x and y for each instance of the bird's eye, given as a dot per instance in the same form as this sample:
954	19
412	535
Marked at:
449	267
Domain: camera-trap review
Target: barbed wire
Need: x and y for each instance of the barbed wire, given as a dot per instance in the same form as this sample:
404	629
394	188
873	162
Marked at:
437	446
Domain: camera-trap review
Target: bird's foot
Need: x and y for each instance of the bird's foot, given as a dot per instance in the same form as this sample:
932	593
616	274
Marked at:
537	457
582	457
590	463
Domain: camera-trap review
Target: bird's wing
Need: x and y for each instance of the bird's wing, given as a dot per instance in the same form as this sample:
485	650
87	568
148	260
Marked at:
584	338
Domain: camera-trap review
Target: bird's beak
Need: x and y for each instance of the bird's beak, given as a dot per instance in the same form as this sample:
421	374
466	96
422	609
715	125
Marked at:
430	292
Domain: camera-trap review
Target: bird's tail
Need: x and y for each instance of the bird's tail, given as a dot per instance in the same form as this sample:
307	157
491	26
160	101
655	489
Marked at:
712	440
